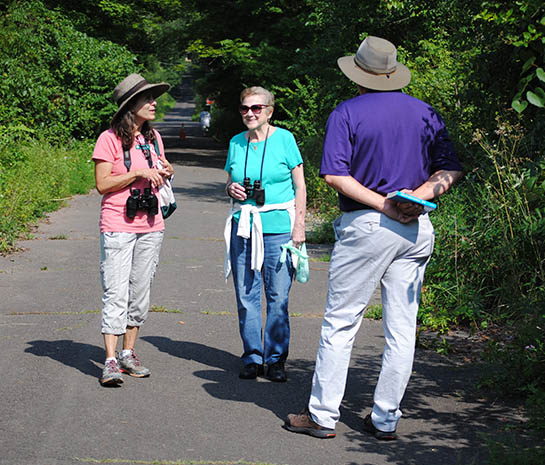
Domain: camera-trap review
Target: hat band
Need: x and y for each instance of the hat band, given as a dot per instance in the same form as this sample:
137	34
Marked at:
132	91
374	71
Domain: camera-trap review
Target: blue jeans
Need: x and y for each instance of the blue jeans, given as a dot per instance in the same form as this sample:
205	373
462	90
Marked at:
276	278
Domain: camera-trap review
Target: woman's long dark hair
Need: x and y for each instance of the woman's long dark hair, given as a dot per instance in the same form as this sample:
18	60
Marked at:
123	126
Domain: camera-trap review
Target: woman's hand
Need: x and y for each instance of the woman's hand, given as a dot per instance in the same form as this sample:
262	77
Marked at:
166	165
298	235
155	176
236	191
107	183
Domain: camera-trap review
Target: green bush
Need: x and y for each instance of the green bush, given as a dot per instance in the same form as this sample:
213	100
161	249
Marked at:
56	82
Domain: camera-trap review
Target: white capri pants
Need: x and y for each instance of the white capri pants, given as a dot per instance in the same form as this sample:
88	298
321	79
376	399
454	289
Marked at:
371	248
127	267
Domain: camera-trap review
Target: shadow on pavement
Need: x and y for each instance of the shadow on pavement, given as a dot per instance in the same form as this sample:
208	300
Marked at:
279	398
201	353
73	354
431	381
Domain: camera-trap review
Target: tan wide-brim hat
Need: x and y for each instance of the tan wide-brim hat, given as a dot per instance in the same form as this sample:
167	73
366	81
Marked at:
131	87
375	66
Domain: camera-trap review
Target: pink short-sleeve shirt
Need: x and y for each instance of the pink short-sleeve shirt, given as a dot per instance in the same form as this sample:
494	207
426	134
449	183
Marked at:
112	212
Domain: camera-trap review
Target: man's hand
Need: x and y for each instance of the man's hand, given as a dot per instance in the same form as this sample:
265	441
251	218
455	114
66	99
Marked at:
393	210
410	209
348	186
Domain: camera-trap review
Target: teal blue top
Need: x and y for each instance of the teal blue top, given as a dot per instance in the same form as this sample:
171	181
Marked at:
281	156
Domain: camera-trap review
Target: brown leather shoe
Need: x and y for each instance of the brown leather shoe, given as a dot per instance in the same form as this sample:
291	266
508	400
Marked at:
304	424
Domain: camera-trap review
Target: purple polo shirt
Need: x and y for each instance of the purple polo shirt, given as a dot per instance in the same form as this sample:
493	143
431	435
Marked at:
387	141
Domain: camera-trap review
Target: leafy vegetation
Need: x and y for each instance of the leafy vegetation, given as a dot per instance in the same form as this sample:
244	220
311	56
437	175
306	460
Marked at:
56	81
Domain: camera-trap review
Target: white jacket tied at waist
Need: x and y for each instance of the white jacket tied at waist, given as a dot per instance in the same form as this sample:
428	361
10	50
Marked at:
256	233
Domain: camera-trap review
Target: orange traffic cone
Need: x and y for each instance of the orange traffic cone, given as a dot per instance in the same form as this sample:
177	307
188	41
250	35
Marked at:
182	132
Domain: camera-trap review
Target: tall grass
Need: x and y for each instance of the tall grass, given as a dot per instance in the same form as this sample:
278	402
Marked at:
37	177
489	263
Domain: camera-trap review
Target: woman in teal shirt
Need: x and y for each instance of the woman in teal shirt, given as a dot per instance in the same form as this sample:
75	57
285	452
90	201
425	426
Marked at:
266	182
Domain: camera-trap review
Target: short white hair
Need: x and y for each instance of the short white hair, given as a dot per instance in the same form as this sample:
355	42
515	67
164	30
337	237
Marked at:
256	90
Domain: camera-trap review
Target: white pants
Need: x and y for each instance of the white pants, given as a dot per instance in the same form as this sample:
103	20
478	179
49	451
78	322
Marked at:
127	267
371	248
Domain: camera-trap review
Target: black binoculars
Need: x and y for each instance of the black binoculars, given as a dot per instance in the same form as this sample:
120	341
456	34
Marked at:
255	192
145	201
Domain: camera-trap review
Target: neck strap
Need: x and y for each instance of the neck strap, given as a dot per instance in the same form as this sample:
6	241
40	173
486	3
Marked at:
147	154
262	157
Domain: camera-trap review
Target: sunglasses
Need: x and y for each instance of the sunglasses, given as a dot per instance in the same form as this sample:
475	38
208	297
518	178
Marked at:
256	109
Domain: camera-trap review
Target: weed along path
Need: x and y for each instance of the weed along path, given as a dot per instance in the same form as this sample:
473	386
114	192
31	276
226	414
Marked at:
194	409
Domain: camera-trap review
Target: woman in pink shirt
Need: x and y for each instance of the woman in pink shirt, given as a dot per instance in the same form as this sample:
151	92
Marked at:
129	169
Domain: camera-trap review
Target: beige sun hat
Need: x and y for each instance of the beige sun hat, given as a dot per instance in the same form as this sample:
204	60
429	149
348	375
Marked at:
375	66
132	86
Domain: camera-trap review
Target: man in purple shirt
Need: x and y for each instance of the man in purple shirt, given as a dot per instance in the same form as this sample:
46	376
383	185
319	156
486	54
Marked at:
376	143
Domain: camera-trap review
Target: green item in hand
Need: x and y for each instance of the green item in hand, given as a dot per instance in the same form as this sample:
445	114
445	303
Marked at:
302	271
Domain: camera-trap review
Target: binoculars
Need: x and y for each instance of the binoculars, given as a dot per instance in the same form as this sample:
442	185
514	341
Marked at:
255	192
145	201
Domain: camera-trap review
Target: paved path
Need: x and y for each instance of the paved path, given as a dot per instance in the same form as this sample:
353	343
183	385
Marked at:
193	409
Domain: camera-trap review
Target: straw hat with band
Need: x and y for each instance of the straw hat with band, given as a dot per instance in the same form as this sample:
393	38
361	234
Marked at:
375	66
132	86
